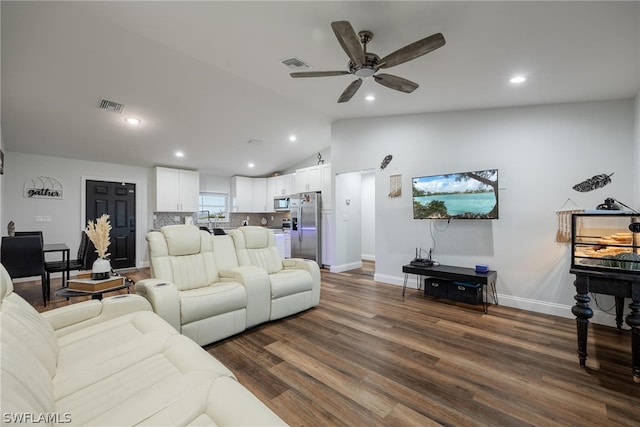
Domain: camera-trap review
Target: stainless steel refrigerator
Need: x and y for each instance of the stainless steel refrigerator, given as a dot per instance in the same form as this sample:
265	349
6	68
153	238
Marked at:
306	226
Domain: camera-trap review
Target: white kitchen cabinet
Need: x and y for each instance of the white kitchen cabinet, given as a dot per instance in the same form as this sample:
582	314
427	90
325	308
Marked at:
308	179
280	185
241	194
271	190
284	185
250	195
259	203
177	190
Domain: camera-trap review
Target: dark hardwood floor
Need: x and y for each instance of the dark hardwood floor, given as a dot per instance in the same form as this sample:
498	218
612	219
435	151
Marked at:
366	356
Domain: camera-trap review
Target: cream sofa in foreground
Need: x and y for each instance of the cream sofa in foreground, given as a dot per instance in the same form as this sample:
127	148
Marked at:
211	287
112	363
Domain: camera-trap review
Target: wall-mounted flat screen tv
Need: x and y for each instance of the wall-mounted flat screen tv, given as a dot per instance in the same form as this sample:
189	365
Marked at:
466	195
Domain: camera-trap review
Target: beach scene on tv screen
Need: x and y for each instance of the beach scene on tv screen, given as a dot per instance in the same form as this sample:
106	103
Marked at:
471	195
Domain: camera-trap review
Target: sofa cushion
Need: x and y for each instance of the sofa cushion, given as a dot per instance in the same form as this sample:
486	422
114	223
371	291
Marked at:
92	354
193	271
182	239
28	326
182	255
288	282
141	389
209	301
26	383
257	246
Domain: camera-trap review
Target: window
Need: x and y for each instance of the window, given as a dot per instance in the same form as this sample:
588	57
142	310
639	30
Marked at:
213	207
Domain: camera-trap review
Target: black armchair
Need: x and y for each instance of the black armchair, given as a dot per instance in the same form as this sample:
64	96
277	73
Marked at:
74	264
29	233
22	256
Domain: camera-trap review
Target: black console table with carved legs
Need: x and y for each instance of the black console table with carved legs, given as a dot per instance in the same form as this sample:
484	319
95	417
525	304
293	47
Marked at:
619	284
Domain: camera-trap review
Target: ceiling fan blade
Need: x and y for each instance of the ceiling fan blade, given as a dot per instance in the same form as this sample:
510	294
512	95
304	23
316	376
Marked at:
395	82
318	73
350	91
412	51
349	41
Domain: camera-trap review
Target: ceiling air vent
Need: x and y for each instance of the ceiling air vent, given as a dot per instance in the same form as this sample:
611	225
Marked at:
295	63
107	105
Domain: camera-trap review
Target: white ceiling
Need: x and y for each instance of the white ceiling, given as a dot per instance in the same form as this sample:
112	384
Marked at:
205	77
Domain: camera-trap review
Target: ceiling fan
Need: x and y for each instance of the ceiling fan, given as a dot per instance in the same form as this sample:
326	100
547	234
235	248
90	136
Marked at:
366	64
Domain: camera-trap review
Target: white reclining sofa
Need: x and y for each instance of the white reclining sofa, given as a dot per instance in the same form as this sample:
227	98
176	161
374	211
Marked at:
295	282
210	287
112	363
196	297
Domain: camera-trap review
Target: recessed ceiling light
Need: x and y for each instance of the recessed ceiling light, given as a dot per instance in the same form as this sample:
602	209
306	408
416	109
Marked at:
292	138
179	154
132	121
518	79
370	98
251	165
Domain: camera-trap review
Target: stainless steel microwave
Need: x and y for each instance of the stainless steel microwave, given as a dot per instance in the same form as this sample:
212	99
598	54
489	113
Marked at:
281	203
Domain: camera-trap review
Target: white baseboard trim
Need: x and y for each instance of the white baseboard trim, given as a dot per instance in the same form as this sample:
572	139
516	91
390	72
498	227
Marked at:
543	307
345	267
392	280
368	257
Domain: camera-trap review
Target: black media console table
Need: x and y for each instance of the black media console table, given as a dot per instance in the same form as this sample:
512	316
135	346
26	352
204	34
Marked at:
462	274
621	285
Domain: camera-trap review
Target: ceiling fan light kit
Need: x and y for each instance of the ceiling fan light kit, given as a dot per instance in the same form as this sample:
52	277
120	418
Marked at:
363	64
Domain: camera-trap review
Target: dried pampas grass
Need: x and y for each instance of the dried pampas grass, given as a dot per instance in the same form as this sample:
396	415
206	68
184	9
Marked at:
98	233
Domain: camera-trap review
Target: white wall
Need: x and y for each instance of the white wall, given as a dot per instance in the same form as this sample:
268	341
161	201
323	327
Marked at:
68	214
347	213
311	161
540	151
368	216
215	184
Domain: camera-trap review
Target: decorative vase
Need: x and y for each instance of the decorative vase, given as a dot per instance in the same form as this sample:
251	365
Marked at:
101	269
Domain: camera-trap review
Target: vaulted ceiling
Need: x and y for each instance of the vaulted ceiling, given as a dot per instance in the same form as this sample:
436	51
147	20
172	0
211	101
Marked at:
206	77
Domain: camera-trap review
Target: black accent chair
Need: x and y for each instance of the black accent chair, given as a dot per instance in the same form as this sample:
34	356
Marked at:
74	264
22	256
29	233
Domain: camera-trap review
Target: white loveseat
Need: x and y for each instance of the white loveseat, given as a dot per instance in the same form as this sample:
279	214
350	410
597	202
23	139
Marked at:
112	363
208	287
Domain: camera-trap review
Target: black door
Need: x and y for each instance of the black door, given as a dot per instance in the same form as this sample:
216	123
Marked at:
118	200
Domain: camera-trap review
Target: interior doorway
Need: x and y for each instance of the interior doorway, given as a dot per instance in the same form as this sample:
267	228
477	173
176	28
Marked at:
355	222
118	200
368	221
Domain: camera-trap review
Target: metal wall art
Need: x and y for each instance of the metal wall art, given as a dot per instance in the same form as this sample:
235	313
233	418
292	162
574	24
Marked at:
43	187
596	181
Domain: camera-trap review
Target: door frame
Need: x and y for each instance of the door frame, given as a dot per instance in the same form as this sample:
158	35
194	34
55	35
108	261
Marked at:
140	260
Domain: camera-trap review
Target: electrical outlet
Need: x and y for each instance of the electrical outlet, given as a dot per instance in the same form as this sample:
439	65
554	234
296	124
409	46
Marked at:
41	219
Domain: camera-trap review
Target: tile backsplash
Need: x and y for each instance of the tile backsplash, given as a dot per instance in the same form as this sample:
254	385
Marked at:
236	219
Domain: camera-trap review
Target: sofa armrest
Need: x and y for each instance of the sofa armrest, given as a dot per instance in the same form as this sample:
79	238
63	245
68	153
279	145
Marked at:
258	287
164	299
313	269
77	316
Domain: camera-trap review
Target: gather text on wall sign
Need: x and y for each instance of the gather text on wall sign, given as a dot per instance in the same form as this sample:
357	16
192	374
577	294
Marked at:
42	187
